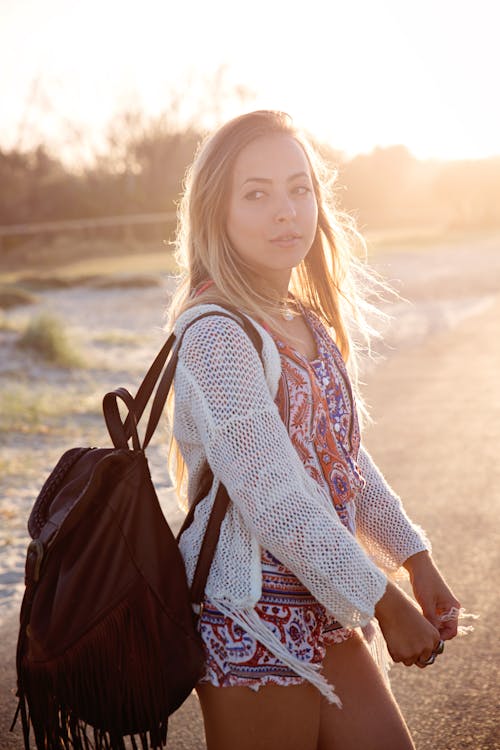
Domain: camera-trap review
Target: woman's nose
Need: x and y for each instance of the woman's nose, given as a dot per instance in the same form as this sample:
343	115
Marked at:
285	210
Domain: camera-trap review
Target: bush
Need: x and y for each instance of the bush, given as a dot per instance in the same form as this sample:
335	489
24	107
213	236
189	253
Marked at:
45	335
12	296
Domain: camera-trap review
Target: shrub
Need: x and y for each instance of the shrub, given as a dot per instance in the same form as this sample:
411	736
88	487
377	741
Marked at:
45	335
12	296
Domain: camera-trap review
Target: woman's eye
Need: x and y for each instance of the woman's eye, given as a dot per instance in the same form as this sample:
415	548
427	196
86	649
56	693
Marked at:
302	190
254	195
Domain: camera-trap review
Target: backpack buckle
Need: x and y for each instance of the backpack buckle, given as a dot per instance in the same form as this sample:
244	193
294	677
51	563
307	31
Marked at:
198	609
34	559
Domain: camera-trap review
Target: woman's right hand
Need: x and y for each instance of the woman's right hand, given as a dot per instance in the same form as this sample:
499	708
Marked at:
410	637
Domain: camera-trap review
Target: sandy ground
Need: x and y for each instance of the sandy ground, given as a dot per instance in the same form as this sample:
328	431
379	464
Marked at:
436	434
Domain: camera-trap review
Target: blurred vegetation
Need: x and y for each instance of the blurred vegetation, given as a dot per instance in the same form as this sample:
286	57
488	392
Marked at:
13	296
389	187
46	336
43	408
141	168
140	174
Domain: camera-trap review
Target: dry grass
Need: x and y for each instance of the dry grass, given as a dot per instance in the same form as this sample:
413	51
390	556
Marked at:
13	296
117	338
8	325
95	281
125	281
45	336
73	262
420	239
44	409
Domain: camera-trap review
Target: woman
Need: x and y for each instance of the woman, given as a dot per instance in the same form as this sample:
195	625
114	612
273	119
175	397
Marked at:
313	530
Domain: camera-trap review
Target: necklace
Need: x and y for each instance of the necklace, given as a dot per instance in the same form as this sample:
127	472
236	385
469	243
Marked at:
286	312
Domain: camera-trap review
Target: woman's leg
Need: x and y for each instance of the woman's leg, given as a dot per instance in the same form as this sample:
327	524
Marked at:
272	718
370	718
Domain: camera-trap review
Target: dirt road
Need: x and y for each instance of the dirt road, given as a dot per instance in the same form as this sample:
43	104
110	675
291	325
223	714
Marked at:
436	406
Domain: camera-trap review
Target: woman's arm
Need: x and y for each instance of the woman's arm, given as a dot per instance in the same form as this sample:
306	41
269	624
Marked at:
410	637
383	526
386	529
432	593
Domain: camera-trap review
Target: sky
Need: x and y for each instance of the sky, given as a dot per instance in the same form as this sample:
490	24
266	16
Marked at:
356	74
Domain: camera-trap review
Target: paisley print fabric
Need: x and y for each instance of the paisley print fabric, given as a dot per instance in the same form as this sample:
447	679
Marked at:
316	404
234	658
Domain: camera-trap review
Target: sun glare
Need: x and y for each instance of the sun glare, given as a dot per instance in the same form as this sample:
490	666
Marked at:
358	75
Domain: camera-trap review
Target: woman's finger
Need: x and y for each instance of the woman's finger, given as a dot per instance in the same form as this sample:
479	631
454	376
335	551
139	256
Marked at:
425	659
448	630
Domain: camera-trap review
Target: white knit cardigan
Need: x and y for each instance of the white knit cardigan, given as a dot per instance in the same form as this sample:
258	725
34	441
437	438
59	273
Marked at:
225	414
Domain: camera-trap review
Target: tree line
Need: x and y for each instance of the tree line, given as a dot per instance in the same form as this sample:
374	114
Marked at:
141	170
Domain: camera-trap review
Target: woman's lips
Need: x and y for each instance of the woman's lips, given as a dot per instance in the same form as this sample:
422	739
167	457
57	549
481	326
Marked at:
286	240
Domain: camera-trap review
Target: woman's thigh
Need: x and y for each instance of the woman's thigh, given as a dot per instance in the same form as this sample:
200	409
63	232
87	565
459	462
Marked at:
272	718
370	718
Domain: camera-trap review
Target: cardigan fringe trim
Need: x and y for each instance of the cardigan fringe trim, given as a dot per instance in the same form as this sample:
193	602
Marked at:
250	622
378	649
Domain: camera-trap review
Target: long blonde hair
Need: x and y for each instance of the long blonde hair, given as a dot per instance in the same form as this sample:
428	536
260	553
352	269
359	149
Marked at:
333	279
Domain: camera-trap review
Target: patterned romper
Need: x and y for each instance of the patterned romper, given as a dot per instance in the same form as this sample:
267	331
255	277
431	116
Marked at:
316	404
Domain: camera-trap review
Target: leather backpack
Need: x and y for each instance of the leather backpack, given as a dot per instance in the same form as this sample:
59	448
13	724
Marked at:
108	643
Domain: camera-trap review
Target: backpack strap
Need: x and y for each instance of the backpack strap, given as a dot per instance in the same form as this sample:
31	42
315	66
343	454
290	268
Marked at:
121	432
166	381
222	499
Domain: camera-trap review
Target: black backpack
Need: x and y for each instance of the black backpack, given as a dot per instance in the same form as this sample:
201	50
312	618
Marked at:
108	643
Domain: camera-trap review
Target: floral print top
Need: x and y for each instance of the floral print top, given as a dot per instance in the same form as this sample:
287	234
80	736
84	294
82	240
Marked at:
316	404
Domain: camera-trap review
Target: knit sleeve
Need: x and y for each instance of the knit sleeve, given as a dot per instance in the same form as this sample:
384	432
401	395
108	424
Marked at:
249	450
383	526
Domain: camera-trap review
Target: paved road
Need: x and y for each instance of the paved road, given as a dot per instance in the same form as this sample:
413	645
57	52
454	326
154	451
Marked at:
436	435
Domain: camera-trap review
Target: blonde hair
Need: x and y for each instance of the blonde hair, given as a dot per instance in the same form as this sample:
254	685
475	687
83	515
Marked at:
333	280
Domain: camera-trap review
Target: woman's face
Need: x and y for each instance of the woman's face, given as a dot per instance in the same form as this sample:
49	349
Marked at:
272	214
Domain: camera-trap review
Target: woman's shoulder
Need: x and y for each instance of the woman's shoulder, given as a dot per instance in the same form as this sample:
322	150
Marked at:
202	315
209	329
216	319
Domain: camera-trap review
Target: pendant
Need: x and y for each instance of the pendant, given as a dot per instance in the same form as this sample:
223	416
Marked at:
287	314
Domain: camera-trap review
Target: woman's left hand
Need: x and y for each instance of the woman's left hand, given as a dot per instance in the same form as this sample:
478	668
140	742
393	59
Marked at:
433	594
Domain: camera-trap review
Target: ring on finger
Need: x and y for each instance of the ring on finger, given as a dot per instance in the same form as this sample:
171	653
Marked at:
432	658
439	648
427	662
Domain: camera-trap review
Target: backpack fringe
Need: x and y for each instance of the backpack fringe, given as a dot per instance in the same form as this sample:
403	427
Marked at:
89	676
